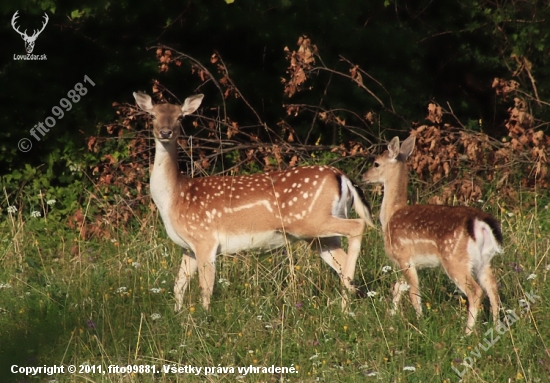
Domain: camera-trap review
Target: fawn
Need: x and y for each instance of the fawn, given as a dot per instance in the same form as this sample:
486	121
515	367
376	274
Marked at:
463	240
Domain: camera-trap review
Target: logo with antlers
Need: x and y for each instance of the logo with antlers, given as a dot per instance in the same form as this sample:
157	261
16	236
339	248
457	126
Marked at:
29	40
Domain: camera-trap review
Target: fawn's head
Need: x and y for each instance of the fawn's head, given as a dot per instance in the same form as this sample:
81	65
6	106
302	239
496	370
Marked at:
167	117
390	163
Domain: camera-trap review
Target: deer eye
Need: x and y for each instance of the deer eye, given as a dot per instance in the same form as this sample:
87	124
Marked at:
376	164
180	118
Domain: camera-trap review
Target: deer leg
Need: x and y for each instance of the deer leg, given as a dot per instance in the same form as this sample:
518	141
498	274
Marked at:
488	283
460	274
354	249
330	232
187	269
207	272
331	252
397	293
411	276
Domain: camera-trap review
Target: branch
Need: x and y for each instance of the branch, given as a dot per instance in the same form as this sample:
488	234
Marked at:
354	80
198	64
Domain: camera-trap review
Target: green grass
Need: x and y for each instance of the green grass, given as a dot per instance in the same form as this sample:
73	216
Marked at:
67	301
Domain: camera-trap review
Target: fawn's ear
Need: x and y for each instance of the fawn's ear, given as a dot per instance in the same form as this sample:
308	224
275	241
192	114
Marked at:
407	147
144	101
393	148
191	104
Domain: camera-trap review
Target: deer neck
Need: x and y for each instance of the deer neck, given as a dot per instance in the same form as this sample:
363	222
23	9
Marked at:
164	177
395	195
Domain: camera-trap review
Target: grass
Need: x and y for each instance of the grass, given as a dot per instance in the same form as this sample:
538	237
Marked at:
108	301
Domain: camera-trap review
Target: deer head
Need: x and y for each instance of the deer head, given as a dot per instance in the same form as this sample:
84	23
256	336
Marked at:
29	40
167	117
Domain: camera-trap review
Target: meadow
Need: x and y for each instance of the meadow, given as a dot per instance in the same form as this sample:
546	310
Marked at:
107	301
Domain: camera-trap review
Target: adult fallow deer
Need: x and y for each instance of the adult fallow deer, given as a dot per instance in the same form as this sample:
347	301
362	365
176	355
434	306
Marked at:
463	240
214	215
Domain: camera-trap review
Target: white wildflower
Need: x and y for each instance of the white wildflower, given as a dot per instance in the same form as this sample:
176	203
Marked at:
5	286
386	269
409	368
122	290
36	214
314	356
371	294
531	276
12	209
404	286
372	373
136	264
259	317
224	282
51	202
155	290
510	214
113	240
351	314
548	267
156	316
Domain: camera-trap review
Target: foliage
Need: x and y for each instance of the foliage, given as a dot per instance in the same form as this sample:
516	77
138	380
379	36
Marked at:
216	143
461	163
507	41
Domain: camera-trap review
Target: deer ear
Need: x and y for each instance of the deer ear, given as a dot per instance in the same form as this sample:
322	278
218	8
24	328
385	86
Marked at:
393	148
407	147
191	104
144	101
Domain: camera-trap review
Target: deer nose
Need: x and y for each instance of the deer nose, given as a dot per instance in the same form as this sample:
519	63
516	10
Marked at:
165	133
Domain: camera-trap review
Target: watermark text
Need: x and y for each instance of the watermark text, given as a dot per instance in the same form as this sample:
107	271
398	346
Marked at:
492	336
39	130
